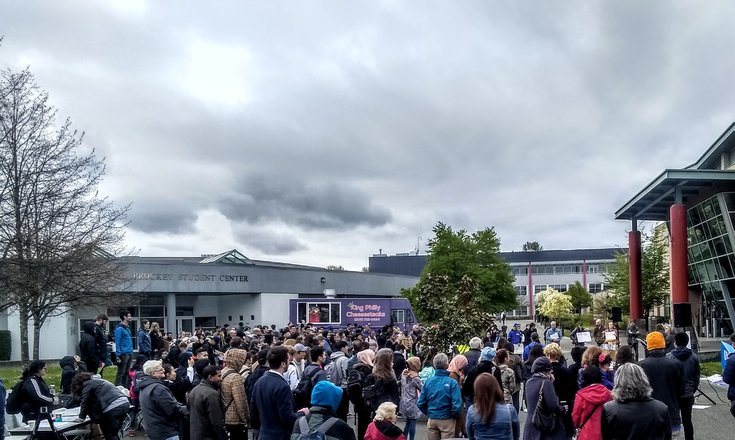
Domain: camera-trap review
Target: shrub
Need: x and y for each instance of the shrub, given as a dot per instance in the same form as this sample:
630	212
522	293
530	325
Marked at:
5	345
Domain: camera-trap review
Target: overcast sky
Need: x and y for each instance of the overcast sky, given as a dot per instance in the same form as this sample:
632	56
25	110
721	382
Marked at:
321	132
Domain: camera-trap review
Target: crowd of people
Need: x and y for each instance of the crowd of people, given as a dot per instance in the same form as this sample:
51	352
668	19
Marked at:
302	381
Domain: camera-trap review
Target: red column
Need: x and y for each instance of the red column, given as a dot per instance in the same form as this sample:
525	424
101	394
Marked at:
679	268
530	291
634	266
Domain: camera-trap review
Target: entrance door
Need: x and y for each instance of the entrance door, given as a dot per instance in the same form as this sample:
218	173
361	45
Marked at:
184	324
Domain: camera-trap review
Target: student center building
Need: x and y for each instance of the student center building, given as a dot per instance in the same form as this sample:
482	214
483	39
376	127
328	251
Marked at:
184	293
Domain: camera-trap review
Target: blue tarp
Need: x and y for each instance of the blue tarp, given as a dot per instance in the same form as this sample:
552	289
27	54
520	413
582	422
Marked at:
725	350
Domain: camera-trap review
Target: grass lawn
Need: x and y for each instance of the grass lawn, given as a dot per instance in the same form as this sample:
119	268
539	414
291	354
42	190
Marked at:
10	375
710	368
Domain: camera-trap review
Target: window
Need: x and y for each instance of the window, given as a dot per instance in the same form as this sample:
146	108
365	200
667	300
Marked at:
519	270
521	290
398	316
593	269
319	313
521	311
594	287
539	288
207	322
558	287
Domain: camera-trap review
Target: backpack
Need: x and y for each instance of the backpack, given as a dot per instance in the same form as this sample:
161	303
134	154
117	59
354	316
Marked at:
355	382
14	401
302	393
370	393
321	430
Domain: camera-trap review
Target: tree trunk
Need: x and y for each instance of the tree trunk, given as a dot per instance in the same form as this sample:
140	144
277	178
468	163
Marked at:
36	336
23	315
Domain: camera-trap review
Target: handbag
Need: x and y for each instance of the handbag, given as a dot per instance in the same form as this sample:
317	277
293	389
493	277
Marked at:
543	419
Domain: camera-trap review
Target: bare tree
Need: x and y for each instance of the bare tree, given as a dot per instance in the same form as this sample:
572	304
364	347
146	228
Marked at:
58	236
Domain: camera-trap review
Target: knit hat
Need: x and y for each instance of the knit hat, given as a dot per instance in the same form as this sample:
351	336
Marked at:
655	341
326	394
541	365
487	354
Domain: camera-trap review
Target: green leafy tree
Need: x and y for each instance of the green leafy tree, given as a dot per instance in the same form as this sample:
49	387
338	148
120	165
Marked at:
579	296
532	246
654	275
463	282
557	305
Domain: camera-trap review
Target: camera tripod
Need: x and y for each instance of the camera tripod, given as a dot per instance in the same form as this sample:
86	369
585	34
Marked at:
43	414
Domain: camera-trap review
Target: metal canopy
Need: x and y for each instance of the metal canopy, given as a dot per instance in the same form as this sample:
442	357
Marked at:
230	257
654	200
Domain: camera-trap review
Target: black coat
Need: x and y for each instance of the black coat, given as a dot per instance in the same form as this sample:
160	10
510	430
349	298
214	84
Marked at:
206	413
667	380
468	386
473	357
636	419
533	386
98	394
161	412
88	349
35	395
387	390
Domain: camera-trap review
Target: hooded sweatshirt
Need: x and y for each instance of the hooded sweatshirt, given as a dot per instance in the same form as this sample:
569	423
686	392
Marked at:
587	411
338	370
325	398
690	364
232	388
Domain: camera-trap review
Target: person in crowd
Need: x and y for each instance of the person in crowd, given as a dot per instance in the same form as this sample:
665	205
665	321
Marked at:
527	332
587	410
565	385
384	380
553	334
157	341
633	414
473	354
486	365
534	342
357	346
123	349
70	366
232	389
598	333
162	414
399	359
383	426
690	366
612	338
666	377
515	336
728	376
427	366
3	396
624	355
573	335
298	363
605	363
184	373
633	335
441	401
102	401
100	341
178	385
489	417
206	409
135	374
144	339
315	369
362	370
88	349
516	364
594	355
456	371
36	396
540	387
257	373
577	352
338	375
273	402
536	352
507	376
410	389
325	399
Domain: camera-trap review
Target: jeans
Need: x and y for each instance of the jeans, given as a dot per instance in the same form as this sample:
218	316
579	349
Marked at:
123	369
111	421
685	406
410	430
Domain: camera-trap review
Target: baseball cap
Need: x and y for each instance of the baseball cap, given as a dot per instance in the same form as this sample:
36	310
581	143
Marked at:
300	348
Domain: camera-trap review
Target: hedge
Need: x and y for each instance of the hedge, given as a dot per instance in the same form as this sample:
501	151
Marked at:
5	346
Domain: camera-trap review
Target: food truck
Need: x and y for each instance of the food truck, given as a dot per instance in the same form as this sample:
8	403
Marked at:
341	312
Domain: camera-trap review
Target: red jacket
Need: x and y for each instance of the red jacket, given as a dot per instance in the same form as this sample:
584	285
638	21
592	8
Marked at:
588	410
389	431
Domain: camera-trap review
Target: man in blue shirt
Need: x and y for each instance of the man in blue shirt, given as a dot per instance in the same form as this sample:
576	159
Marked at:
515	336
441	400
123	350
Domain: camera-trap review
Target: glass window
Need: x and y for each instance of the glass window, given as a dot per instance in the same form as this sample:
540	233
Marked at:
594	287
694	216
184	310
521	290
725	268
707	210
398	316
539	288
206	322
593	269
301	312
322	313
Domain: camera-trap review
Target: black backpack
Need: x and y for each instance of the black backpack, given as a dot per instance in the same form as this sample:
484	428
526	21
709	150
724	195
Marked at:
305	433
355	383
302	393
14	401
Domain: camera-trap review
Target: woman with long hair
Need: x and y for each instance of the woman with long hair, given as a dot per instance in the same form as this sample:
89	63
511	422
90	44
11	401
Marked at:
364	367
410	388
384	379
456	372
102	401
596	356
156	340
36	396
489	417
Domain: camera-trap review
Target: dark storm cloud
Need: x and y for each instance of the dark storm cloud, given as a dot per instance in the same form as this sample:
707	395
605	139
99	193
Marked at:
307	205
268	242
161	218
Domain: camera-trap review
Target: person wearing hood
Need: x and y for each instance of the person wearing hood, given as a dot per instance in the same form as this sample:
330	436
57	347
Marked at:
161	412
484	365
338	375
88	349
206	409
70	366
540	386
666	377
410	389
587	411
232	389
383	426
690	365
325	400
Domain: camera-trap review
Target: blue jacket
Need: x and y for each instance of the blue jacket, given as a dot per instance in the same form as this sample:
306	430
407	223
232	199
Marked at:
144	341
440	397
528	348
123	340
502	426
274	407
515	336
728	376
